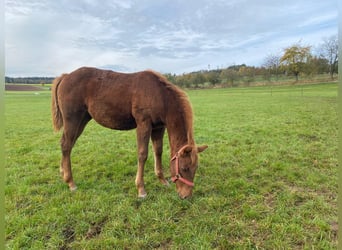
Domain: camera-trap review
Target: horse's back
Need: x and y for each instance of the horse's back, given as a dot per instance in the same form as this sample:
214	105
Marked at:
115	100
97	82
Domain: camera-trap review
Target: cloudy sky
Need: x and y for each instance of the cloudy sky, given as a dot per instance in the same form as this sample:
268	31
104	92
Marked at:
49	37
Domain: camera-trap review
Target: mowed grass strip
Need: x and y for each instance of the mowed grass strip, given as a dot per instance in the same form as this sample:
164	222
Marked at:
268	179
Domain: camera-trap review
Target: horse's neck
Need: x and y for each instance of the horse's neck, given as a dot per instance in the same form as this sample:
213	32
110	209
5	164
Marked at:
178	130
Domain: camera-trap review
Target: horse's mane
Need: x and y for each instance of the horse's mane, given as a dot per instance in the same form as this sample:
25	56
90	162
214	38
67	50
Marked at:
184	102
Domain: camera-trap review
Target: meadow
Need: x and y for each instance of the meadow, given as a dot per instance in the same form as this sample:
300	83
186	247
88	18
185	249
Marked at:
267	181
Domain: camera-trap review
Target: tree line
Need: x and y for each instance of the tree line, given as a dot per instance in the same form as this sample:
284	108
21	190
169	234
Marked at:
294	61
29	80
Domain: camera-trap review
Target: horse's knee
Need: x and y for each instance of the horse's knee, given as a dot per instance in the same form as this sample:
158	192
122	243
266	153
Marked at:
67	144
65	147
142	156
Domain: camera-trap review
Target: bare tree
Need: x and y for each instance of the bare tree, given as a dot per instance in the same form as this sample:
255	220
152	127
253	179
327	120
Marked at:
329	51
272	64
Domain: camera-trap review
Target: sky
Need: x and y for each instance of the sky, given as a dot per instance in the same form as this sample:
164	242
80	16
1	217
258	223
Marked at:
49	37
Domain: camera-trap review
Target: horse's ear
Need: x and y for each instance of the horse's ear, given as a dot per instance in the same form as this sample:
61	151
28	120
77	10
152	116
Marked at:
186	150
201	148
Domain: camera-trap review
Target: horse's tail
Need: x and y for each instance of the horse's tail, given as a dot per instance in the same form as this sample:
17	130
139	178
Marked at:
57	119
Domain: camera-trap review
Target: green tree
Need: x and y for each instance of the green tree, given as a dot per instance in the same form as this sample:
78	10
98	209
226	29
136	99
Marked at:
295	58
213	77
197	79
229	76
316	65
248	74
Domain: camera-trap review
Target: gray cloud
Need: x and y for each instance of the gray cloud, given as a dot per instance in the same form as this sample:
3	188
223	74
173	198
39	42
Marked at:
50	37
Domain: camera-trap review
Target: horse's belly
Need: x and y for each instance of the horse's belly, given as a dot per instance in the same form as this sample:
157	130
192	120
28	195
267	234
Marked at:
114	120
124	124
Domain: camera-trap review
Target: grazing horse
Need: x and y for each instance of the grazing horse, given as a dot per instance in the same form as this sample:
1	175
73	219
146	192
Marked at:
143	100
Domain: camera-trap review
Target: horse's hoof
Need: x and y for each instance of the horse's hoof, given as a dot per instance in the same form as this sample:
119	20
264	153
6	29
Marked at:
142	196
164	182
73	189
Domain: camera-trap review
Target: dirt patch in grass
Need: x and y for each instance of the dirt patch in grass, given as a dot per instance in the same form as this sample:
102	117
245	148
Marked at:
69	237
96	228
17	87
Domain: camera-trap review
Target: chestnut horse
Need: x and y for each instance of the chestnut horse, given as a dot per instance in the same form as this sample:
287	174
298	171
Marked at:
143	100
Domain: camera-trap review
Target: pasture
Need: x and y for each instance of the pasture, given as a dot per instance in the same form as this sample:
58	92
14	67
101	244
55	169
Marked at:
267	181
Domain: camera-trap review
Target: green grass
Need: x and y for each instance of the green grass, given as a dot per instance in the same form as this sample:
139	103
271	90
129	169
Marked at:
267	181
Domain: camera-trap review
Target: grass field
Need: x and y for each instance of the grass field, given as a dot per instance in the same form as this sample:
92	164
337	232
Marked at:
267	181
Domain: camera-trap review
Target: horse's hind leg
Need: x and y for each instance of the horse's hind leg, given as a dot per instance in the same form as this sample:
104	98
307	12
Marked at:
73	127
157	142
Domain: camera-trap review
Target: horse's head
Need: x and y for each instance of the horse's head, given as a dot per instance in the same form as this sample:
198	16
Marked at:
183	168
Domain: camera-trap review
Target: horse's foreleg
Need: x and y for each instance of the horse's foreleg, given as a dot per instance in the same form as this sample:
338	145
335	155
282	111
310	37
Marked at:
143	137
157	141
